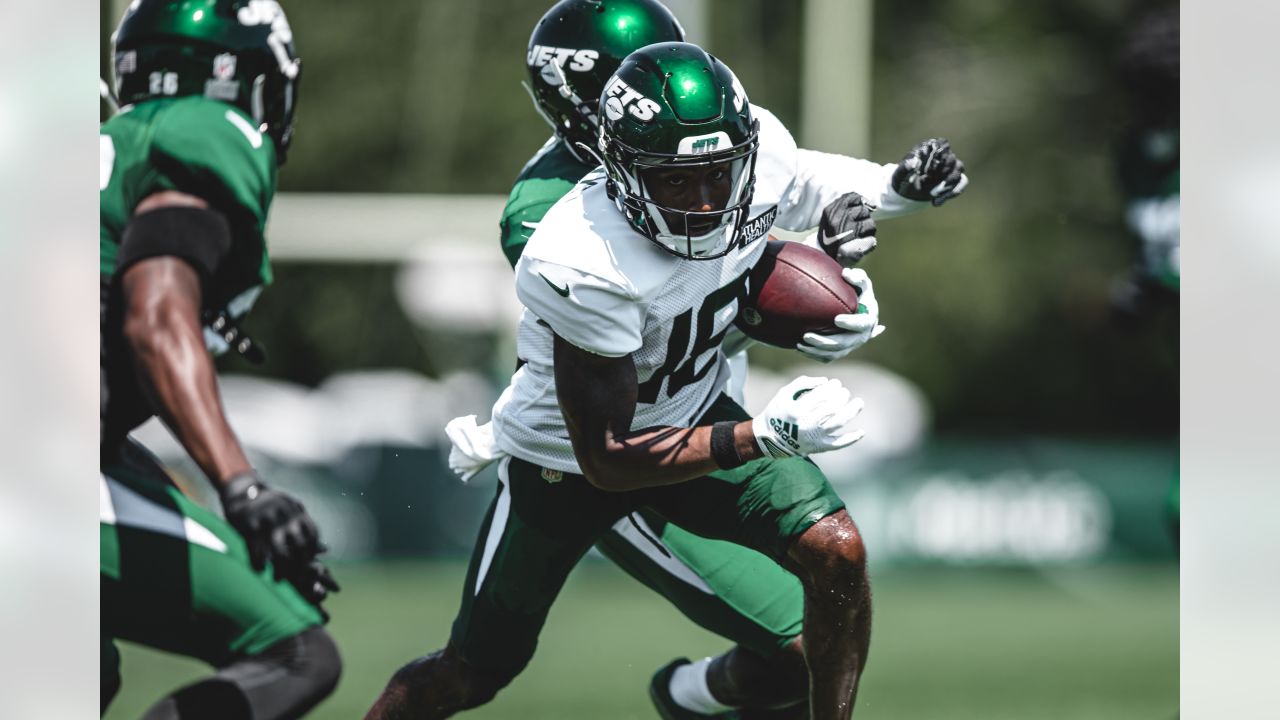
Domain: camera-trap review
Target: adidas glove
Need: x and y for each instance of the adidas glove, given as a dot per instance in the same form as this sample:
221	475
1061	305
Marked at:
809	415
931	171
847	232
858	328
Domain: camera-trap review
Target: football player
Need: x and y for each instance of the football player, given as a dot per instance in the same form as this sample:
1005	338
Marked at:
726	588
188	170
1147	158
733	591
630	283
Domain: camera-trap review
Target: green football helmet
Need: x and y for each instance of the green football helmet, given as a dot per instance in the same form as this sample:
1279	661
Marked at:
237	51
574	49
674	105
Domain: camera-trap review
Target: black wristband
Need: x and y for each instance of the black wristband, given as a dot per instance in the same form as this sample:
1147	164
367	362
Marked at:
723	448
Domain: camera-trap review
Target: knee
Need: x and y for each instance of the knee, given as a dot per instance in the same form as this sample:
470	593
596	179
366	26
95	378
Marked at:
318	663
285	680
295	674
830	555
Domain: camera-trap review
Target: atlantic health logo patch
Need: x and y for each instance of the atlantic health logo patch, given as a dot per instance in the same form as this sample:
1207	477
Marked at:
758	226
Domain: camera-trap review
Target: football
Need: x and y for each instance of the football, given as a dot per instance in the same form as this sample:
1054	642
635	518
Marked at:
792	290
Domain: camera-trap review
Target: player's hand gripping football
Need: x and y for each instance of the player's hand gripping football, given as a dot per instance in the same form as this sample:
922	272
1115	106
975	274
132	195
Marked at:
858	328
931	171
847	232
276	527
809	415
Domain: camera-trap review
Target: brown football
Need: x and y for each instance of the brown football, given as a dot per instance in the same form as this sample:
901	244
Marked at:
792	290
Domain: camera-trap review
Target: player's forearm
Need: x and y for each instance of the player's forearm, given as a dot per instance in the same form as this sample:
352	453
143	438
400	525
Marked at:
163	297
598	397
662	456
178	374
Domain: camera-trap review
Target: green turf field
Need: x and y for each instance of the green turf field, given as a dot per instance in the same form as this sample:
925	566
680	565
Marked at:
1086	644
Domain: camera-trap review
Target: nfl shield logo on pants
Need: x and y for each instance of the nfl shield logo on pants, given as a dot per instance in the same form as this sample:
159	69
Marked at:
552	476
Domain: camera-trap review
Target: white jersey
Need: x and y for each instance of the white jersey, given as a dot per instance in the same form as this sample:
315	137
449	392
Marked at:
588	277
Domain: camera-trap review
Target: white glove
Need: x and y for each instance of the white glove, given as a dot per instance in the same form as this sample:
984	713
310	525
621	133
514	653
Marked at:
858	328
809	415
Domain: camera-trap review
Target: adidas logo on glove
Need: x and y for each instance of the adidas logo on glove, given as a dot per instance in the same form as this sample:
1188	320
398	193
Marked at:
788	432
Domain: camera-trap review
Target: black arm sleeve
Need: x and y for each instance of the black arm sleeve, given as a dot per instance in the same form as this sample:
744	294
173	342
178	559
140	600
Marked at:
200	236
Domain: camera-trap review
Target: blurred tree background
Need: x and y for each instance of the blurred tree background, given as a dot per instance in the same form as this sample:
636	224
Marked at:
995	305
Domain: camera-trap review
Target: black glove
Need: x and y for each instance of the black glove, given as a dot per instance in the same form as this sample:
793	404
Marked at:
314	583
275	526
847	231
931	171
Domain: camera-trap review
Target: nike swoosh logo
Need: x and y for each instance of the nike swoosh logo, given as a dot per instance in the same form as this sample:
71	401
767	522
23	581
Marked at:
561	291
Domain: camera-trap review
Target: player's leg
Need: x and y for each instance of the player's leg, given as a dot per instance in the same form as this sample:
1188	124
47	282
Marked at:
787	510
108	673
831	561
283	681
727	589
538	527
177	578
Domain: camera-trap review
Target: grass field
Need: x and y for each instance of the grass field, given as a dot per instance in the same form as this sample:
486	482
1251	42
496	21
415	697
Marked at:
1085	644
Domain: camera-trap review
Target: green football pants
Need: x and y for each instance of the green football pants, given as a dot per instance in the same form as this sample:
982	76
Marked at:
177	577
711	546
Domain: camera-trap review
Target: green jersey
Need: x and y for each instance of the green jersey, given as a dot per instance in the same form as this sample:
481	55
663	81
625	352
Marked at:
546	178
197	146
